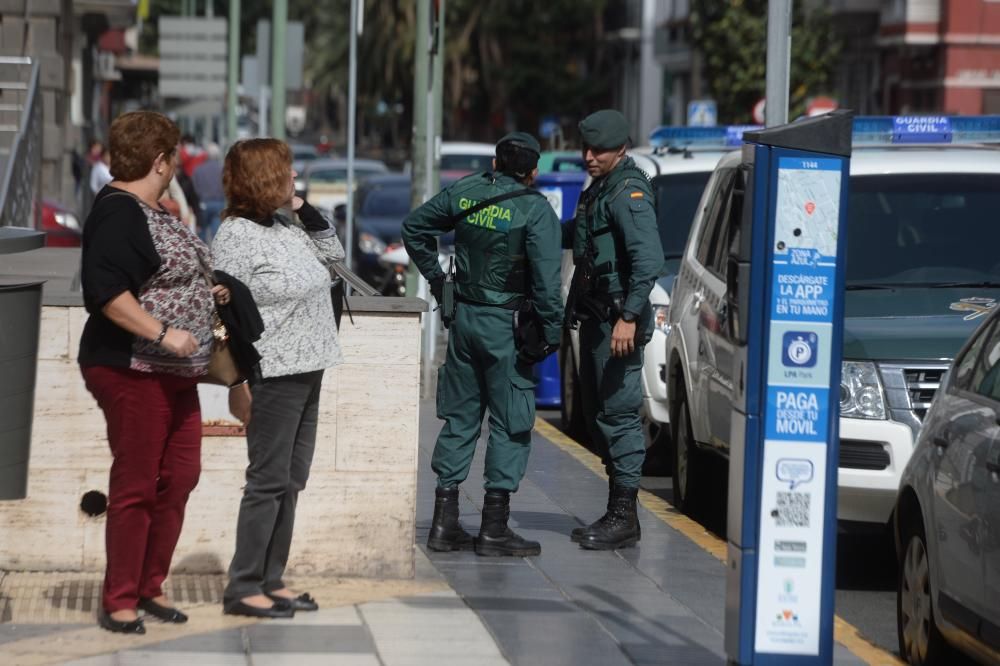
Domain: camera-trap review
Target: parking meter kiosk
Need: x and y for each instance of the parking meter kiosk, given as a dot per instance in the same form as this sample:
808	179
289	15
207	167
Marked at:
785	305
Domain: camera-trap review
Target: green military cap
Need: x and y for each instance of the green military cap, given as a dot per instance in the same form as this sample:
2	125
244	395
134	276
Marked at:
605	129
522	140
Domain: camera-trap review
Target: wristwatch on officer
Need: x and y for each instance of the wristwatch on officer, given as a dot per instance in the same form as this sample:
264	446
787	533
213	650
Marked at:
627	317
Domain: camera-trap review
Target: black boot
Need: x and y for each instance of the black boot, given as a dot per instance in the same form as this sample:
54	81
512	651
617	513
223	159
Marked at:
619	527
446	532
578	533
495	538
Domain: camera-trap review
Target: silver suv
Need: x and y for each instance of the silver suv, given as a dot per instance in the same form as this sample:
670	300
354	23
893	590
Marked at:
921	271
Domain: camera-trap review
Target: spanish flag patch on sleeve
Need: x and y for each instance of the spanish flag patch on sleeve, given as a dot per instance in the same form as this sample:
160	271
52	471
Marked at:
636	195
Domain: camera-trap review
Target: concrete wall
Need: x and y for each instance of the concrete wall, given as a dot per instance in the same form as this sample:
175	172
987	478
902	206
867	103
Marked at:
355	518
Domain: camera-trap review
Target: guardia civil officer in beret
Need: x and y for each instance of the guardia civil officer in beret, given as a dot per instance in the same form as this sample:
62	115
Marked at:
508	248
617	253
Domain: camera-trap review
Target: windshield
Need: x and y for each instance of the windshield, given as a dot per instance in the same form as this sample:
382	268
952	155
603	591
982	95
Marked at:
387	201
466	162
677	196
923	229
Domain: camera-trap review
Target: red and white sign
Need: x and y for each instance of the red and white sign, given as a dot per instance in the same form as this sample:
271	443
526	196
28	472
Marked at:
758	111
817	106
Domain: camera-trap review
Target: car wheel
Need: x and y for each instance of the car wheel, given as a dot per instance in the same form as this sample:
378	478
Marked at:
686	460
920	641
571	405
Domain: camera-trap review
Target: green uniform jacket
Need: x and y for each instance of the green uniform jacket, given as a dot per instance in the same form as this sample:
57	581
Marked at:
629	256
503	253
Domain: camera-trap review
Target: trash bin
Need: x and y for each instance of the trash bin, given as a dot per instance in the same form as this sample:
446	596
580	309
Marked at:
562	189
20	314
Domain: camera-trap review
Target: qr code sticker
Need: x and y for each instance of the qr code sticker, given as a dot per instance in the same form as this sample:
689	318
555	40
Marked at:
793	509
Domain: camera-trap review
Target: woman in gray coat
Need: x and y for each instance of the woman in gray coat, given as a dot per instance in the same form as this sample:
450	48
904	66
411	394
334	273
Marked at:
285	264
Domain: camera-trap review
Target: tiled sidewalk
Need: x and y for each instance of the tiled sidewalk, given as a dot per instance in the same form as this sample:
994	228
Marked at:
429	629
370	622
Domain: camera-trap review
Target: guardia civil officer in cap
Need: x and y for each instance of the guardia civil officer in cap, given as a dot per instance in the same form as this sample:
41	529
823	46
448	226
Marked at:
507	249
617	253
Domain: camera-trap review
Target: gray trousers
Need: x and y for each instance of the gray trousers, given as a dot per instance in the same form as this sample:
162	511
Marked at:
281	438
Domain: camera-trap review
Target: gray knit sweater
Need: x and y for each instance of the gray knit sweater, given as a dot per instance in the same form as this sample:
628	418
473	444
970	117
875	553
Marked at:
286	270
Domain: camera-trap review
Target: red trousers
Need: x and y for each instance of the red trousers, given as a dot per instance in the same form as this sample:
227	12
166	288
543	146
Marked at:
154	430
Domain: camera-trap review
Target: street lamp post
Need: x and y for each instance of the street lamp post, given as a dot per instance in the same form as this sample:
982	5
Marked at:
779	53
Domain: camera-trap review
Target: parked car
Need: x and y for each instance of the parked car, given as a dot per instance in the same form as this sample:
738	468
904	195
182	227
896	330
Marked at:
921	270
324	180
947	515
679	165
461	158
61	225
383	204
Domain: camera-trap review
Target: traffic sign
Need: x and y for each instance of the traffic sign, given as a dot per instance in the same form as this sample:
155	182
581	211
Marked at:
702	113
817	106
193	59
758	111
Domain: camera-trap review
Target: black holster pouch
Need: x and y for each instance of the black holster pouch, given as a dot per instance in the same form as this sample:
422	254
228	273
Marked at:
449	303
580	305
529	335
586	300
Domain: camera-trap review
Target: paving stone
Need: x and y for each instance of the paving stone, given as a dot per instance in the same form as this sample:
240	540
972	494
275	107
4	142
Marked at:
224	642
278	638
305	659
158	658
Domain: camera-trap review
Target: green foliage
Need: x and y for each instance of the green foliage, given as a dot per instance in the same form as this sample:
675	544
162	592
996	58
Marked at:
526	59
732	37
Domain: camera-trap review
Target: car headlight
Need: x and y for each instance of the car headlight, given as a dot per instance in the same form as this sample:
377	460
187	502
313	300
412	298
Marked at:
661	318
861	391
370	244
68	220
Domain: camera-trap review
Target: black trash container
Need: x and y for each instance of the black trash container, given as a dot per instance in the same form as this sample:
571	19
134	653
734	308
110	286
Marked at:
20	314
20	311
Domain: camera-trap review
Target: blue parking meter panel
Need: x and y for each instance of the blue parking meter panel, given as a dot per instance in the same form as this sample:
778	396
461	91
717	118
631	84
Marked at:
782	550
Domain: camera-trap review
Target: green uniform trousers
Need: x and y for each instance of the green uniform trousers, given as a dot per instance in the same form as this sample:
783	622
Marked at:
611	395
480	372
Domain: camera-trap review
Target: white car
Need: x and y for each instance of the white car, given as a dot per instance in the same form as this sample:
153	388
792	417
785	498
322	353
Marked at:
918	282
467	157
678	171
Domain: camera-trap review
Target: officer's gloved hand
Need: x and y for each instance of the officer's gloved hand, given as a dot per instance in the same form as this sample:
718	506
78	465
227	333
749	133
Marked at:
531	354
437	288
311	218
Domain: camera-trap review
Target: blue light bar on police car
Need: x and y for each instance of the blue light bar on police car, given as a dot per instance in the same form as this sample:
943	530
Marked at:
880	130
721	136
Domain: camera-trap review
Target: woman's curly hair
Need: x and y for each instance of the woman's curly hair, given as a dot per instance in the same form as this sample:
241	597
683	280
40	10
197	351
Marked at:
256	178
136	139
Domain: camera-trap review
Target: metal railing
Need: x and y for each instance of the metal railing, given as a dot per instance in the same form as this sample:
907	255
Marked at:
20	142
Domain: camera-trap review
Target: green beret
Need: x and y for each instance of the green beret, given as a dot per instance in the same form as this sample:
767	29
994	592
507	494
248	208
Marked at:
522	140
604	129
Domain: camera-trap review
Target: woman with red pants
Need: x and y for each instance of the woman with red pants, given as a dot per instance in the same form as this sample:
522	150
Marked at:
146	343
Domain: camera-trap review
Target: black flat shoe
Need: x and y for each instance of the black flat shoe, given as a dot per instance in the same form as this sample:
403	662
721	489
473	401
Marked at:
303	602
165	613
275	611
134	627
